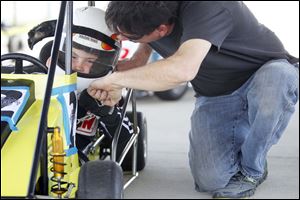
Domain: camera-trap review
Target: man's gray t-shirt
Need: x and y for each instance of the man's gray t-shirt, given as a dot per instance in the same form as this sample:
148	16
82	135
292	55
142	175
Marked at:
240	44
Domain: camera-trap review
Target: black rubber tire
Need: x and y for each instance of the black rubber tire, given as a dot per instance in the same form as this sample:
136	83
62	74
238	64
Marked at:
142	150
100	179
172	94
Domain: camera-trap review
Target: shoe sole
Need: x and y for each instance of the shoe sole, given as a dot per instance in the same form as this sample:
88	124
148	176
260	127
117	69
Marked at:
244	195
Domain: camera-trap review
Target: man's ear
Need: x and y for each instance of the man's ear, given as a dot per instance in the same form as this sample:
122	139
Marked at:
162	30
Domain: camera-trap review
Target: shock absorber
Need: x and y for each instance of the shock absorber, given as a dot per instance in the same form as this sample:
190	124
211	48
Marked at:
57	159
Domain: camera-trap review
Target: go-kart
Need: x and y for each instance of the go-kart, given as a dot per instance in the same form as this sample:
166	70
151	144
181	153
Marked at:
39	158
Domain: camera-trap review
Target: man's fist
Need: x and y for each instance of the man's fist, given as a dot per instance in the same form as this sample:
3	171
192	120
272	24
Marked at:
93	105
108	98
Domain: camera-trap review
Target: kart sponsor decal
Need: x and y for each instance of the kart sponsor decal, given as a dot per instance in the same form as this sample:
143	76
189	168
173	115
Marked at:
88	126
13	101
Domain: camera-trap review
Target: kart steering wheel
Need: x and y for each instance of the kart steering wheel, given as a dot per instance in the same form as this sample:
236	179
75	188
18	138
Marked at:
19	57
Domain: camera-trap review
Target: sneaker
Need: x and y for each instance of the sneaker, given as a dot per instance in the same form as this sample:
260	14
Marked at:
240	186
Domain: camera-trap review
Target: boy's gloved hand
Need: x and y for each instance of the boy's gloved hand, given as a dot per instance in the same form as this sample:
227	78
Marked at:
94	106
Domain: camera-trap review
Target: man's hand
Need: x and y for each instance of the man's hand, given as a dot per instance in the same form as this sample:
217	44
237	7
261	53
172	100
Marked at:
110	98
103	91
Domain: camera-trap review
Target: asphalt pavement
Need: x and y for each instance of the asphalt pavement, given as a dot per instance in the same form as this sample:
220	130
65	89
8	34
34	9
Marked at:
167	174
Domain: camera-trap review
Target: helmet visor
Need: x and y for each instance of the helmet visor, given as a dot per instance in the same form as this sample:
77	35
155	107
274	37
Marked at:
92	56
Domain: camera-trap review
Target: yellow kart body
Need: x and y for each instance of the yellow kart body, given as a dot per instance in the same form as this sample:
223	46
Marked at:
18	151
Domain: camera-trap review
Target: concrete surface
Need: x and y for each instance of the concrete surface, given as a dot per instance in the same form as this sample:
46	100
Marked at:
167	174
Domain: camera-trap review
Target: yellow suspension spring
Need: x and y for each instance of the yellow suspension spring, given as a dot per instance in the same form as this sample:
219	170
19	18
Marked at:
57	159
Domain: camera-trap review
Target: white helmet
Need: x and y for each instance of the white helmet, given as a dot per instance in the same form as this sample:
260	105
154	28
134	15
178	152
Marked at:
93	18
94	43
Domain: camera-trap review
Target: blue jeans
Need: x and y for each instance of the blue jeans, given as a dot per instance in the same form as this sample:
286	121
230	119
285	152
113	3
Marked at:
234	132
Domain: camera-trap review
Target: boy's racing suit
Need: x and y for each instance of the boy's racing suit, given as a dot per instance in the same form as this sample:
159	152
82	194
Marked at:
92	116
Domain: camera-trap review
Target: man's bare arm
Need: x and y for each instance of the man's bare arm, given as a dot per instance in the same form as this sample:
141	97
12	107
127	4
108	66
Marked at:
161	75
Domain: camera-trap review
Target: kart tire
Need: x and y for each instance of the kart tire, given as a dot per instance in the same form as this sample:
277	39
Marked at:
142	143
172	94
100	179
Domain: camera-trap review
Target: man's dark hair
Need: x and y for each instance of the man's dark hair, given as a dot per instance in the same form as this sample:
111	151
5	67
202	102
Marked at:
140	18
